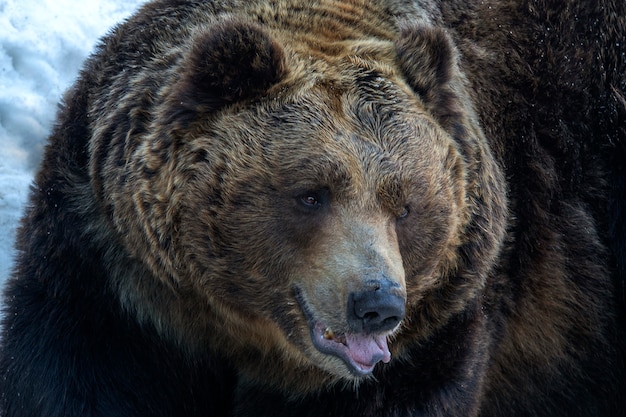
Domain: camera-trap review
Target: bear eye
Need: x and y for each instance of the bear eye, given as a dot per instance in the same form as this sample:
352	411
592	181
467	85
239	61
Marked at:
309	200
404	213
312	200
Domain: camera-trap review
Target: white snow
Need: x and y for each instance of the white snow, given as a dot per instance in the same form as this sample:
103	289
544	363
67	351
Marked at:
42	46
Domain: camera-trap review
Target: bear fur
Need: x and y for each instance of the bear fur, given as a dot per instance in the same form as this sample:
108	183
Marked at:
358	208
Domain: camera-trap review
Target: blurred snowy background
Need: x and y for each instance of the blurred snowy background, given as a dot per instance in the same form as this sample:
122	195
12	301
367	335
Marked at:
42	46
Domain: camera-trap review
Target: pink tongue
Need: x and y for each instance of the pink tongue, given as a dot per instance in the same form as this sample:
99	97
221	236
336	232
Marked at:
368	349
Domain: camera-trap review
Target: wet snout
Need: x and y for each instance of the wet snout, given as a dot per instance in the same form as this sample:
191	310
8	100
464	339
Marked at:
379	307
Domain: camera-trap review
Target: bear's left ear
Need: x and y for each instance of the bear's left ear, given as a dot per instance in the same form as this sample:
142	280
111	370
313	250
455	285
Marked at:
428	60
232	61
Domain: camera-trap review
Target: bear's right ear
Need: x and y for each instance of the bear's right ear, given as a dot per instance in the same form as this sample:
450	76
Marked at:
233	61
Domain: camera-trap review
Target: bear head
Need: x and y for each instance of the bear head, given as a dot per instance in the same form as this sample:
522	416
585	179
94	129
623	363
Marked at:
306	208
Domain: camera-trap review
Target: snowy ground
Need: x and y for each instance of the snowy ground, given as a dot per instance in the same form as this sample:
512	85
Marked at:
42	46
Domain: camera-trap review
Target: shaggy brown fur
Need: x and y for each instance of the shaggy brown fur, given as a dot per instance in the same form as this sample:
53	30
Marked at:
248	205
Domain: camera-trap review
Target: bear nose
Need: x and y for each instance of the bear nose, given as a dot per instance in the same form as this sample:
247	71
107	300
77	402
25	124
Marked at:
376	309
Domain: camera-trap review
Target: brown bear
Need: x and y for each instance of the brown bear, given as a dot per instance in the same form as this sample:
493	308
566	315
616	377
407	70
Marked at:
327	208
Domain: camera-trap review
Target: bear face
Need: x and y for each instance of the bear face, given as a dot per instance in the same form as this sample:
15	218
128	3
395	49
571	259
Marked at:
330	221
299	219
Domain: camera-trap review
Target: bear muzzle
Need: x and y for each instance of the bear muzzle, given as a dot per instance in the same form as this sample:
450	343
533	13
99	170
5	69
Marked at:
373	314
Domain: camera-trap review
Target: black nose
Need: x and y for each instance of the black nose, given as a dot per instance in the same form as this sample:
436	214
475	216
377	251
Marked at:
376	309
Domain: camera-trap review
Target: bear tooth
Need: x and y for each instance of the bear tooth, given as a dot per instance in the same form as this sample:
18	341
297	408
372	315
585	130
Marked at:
329	334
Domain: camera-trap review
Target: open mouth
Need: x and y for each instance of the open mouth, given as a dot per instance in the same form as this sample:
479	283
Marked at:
359	351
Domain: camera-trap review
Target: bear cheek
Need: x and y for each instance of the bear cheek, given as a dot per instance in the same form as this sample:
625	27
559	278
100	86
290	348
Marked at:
428	241
429	236
228	228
